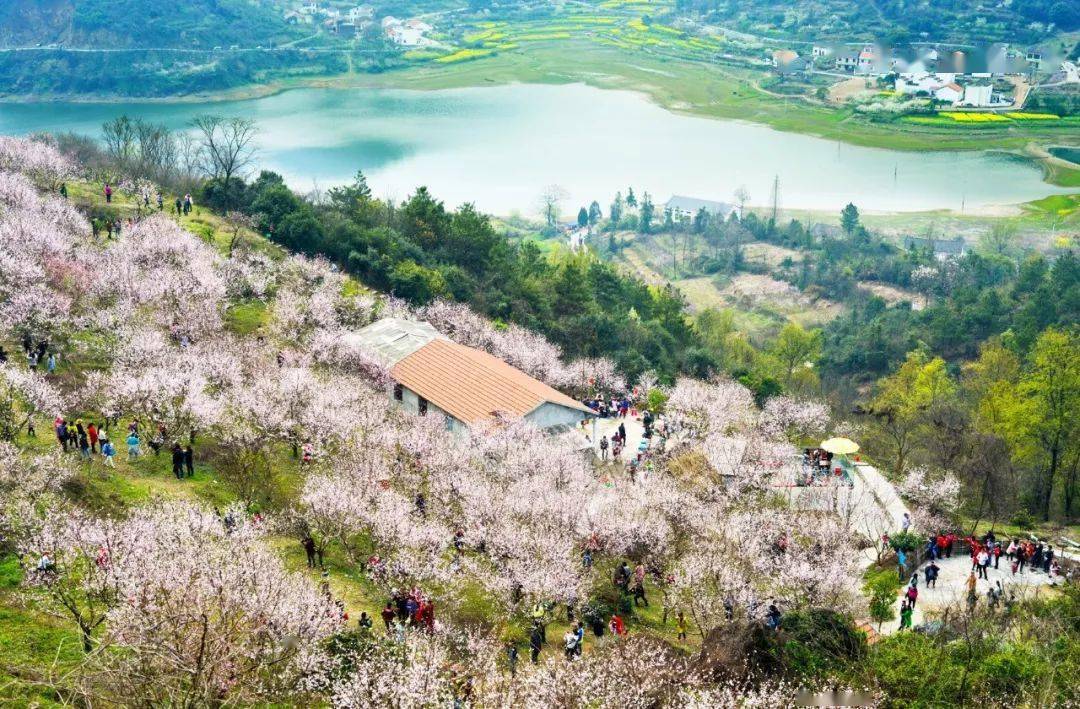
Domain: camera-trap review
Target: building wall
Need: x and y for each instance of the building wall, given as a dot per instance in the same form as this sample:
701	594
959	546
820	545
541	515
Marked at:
547	415
410	401
544	416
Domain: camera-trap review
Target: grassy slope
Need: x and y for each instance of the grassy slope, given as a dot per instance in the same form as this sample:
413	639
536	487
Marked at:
34	645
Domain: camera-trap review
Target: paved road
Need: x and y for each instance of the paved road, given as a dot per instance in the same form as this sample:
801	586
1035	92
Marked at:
951	588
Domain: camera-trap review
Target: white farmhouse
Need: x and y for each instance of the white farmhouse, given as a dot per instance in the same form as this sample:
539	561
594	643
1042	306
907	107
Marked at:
978	96
682	207
434	376
950	93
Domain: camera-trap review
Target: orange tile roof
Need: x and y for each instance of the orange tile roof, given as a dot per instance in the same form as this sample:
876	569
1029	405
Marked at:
471	385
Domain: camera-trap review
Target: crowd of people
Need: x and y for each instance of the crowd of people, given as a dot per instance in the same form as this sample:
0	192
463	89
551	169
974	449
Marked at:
985	552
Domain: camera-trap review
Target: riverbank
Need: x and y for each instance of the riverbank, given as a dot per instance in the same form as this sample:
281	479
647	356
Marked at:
679	85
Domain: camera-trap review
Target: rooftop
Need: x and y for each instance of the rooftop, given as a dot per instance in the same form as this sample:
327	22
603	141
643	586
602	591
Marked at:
693	204
392	339
471	385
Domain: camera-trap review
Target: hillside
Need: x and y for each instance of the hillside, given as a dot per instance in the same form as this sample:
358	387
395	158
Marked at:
960	21
688	579
117	24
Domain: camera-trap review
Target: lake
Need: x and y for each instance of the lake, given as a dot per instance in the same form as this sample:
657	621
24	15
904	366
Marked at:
501	146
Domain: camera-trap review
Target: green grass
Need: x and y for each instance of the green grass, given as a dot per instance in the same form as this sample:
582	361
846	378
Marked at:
31	644
246	317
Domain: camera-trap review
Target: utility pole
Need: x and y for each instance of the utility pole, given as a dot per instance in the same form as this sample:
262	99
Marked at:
775	198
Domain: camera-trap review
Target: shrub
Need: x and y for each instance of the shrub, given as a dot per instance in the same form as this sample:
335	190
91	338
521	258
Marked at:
908	541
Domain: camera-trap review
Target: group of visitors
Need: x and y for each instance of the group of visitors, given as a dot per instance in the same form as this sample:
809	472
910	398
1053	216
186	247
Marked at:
85	439
36	354
615	407
411	609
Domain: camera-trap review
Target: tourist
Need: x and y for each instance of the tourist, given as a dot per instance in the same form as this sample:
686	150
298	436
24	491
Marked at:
680	626
912	594
108	451
133	446
773	617
108	193
932	572
982	560
603	447
1048	558
906	611
616	625
61	433
536	641
901	563
364	623
92	434
309	550
970	584
388	615
187	204
189	460
177	460
905	524
569	644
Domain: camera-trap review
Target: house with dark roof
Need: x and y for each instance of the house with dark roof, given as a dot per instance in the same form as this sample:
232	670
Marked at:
434	376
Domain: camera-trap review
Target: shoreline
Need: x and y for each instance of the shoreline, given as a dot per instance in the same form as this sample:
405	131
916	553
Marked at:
690	88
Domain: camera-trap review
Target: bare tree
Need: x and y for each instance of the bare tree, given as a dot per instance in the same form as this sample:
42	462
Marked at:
157	150
120	138
238	222
226	145
549	202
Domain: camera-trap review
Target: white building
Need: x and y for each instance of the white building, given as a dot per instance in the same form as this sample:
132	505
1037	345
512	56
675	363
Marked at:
978	96
950	93
435	376
687	207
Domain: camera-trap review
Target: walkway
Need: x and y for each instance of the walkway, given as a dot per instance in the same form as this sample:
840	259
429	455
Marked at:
951	588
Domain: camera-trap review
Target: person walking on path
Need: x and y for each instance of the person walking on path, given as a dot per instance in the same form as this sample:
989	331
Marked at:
971	584
603	447
901	563
912	594
932	572
189	460
905	615
108	193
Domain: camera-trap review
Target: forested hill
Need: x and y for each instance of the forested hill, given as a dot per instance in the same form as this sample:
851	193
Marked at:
893	20
188	24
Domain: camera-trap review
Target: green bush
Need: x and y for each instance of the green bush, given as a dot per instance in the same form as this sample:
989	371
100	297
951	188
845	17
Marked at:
817	642
908	541
1022	519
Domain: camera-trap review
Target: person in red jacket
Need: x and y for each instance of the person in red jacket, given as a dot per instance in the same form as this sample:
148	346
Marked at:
616	626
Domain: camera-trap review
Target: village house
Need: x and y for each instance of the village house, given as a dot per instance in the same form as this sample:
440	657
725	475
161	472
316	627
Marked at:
407	33
949	93
787	61
434	376
682	207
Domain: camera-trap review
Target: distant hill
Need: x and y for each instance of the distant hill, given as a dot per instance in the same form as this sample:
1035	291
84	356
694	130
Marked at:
852	20
141	23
